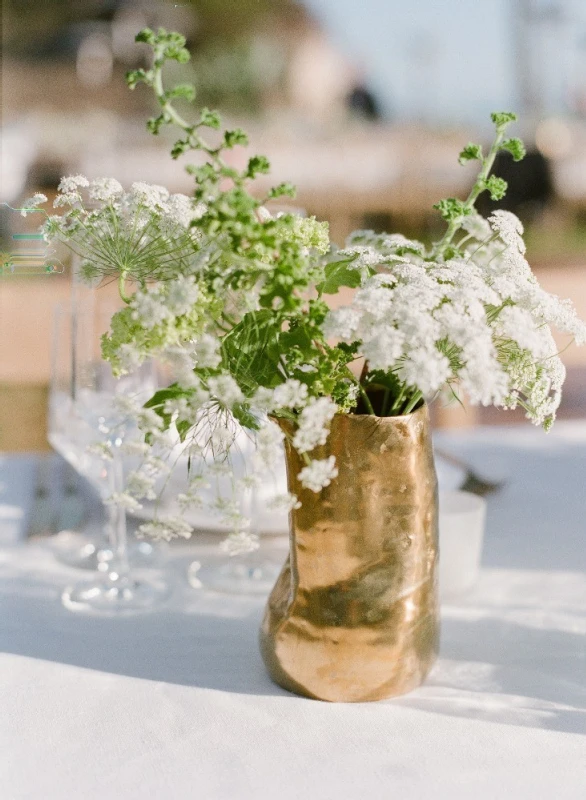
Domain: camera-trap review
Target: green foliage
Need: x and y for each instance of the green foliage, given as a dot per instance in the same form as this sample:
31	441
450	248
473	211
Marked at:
503	118
210	119
251	351
472	152
257	165
235	137
338	274
282	190
497	187
452	209
515	147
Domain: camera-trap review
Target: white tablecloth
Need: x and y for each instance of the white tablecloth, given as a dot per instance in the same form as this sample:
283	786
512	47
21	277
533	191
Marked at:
177	705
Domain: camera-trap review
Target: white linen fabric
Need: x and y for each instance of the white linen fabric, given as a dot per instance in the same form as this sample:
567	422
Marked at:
177	705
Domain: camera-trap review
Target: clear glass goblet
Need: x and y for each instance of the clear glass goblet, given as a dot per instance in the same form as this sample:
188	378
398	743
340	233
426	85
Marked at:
85	416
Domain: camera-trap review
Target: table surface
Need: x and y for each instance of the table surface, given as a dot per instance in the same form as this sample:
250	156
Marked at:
177	704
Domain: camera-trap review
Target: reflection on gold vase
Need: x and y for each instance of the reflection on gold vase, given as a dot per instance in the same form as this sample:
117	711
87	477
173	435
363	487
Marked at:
354	615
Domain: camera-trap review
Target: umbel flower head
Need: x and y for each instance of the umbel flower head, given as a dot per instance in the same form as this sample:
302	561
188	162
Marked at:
233	299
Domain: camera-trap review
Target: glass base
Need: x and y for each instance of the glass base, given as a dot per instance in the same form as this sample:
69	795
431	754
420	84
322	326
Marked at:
124	597
253	574
83	551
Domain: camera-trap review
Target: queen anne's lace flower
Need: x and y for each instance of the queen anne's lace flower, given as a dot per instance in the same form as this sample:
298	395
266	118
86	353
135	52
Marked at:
225	390
318	474
291	394
313	424
105	190
165	529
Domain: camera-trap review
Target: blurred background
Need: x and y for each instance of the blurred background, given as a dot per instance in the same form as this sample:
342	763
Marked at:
363	105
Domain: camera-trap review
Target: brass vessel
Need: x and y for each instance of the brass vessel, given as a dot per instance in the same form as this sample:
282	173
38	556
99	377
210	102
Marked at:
354	615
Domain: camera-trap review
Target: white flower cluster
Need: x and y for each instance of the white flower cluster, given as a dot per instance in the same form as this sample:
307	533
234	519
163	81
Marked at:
313	424
480	321
318	474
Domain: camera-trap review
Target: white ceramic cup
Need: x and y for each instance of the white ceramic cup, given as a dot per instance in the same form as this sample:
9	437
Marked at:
11	524
462	517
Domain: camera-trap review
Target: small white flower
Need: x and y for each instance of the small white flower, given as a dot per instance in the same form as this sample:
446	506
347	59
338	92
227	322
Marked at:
165	529
105	190
291	394
140	485
313	424
31	204
182	294
284	502
102	450
72	183
206	351
123	500
135	448
225	390
240	543
150	196
318	474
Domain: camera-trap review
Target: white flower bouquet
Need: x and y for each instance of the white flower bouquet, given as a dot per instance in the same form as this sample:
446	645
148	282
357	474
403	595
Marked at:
234	300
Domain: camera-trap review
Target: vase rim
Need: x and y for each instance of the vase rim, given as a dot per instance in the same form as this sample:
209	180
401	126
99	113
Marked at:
339	415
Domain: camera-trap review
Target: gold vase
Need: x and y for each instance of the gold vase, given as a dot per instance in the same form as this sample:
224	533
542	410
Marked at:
354	615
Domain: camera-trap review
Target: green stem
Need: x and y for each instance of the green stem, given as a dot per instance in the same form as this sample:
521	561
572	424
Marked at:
196	141
479	186
121	280
366	399
413	402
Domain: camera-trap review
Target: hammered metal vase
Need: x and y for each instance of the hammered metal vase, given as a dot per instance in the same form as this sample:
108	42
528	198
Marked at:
354	614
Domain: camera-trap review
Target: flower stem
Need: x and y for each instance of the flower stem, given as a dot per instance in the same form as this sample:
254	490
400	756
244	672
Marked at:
479	186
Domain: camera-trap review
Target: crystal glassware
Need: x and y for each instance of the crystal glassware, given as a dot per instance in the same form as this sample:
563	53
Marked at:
84	416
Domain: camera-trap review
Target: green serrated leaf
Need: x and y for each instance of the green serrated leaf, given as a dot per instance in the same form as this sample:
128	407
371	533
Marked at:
162	395
452	209
210	119
515	147
338	274
503	118
241	412
257	165
146	35
235	137
282	190
472	152
183	91
253	352
497	187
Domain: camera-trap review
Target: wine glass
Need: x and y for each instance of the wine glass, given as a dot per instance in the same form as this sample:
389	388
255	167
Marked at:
83	417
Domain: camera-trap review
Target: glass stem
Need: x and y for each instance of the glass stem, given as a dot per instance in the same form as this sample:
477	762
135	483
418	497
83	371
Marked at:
117	519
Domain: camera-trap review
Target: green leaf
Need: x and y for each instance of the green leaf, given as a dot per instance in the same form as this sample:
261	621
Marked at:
472	152
241	412
184	91
515	147
452	209
162	395
146	35
180	147
235	137
155	124
338	274
210	119
503	118
257	165
496	186
252	350
282	190
136	76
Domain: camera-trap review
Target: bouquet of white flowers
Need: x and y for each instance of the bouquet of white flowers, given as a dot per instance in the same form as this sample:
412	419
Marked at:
233	298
